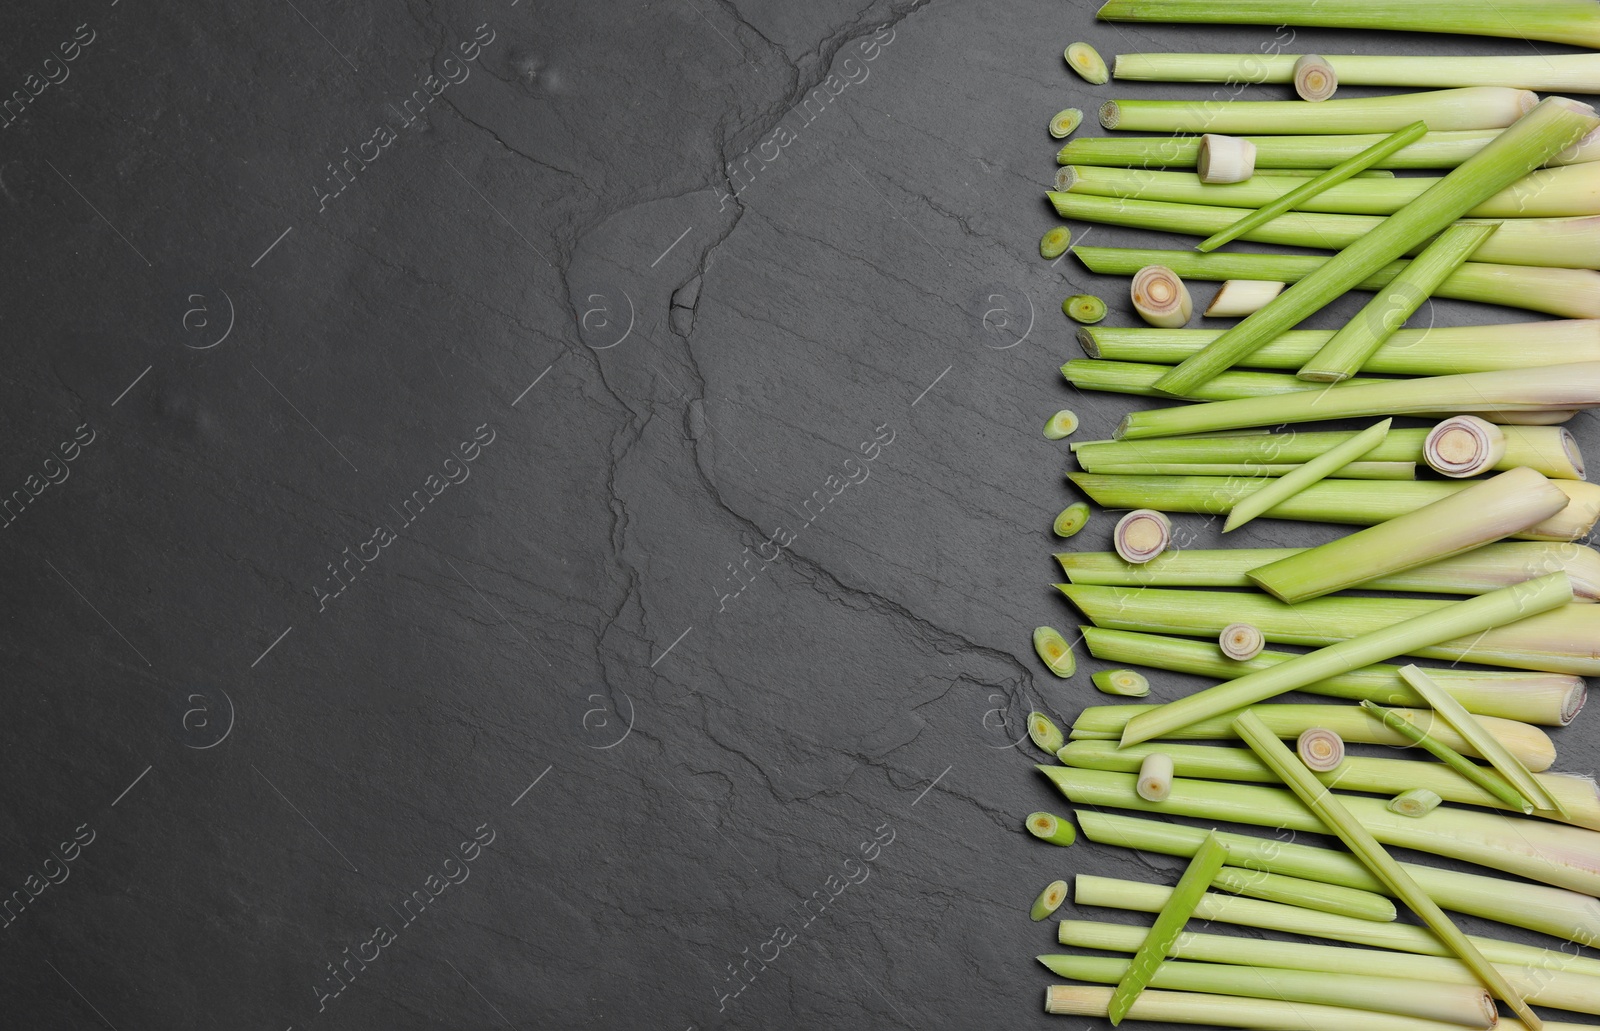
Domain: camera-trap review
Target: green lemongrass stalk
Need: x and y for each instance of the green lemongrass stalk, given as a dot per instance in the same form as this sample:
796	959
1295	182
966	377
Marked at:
1488	780
1435	351
1473	107
1275	492
1537	907
1547	699
1353	723
1312	173
1342	822
1415	802
1051	829
1529	626
1464	1005
1352	471
1487	511
1549	128
1175	912
1563	73
1049	900
1138	378
1233	1011
1434	150
1551	853
1296	891
1555	291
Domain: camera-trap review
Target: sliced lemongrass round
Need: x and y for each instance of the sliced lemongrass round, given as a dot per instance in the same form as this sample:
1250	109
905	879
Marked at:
1155	777
1314	78
1049	900
1241	641
1464	446
1240	297
1225	159
1054	650
1141	535
1060	425
1071	519
1414	803
1320	749
1125	682
1085	308
1087	62
1044	733
1065	122
1055	243
1160	297
1051	828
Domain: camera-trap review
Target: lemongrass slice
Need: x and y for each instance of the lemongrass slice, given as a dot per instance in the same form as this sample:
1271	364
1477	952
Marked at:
1087	62
1155	777
1050	828
1046	735
1065	122
1060	425
1049	900
1416	803
1055	242
1241	297
1295	891
1142	534
1225	159
1085	308
1054	650
1314	78
1241	641
1464	446
1160	297
1125	682
1320	749
1071	519
1197	876
1475	107
1276	491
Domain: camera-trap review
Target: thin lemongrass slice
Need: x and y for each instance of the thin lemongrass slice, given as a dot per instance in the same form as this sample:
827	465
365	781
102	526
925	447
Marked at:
1464	445
1055	242
1241	641
1126	683
1049	900
1087	62
1046	735
1296	891
1320	749
1239	297
1417	802
1060	425
1314	78
1084	308
1230	1011
1434	150
1537	907
1175	912
1065	122
1141	535
1332	813
1071	519
1544	699
1225	159
1490	781
1155	777
1353	471
1048	827
1484	512
1552	126
1275	492
1556	73
1474	107
1160	297
1054	650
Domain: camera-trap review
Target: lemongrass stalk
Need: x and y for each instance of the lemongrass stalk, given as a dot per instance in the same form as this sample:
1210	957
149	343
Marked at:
1160	297
1054	651
1545	699
1208	859
1559	73
1434	150
1071	519
1296	891
1352	723
1241	297
1484	512
1055	242
1312	173
1065	122
1548	634
1225	159
1087	62
1495	784
1049	828
1275	492
1084	308
1463	446
1551	127
1537	907
1414	803
1353	471
1060	425
1049	900
1235	1011
1545	417
1473	107
1125	683
1141	535
1137	378
1555	291
1155	777
1557	21
1360	502
1572	242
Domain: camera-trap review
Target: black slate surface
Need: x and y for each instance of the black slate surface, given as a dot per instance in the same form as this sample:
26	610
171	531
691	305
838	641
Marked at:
610	508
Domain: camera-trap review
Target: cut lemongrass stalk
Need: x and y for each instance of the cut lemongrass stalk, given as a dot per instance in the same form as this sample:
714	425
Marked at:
1537	907
1475	107
1054	650
1557	73
1127	683
1312	173
1241	641
1552	126
1155	777
1456	619
1482	741
1229	1011
1275	492
1137	378
1225	159
1160	297
1071	519
1051	828
1332	813
1084	308
1055	242
1464	446
1087	62
1483	512
1142	534
1353	471
1060	425
1049	900
1548	417
1241	297
1348	351
1435	150
1320	749
1045	734
1065	122
1314	78
1175	912
1417	802
1557	21
1556	291
1295	891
